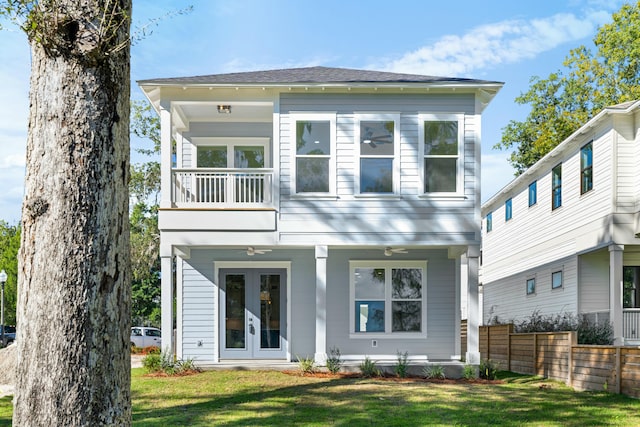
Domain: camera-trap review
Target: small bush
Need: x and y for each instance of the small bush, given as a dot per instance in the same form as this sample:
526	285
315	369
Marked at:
434	372
334	362
488	369
402	366
598	333
469	372
369	369
168	364
306	365
152	362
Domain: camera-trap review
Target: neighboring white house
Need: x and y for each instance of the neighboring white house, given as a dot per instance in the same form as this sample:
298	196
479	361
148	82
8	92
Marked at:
311	208
564	237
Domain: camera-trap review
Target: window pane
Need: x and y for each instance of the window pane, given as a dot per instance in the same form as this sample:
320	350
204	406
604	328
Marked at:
249	157
376	138
376	175
508	210
312	175
313	138
212	157
531	286
556	280
369	283
406	283
533	193
235	311
441	138
369	316
269	311
407	316
440	175
556	189
489	221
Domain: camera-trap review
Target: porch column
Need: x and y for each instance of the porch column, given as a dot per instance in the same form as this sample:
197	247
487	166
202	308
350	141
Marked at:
615	292
165	155
473	307
166	303
321	304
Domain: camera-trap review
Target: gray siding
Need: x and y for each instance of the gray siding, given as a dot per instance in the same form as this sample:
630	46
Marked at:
594	282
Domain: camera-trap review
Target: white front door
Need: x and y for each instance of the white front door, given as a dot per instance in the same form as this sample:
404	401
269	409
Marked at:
253	313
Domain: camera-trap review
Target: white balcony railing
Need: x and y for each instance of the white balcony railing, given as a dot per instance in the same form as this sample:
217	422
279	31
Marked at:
207	187
631	323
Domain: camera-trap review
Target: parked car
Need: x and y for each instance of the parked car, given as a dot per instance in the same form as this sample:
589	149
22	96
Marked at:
144	336
9	333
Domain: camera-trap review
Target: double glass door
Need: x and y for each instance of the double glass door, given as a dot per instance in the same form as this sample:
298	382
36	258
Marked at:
252	313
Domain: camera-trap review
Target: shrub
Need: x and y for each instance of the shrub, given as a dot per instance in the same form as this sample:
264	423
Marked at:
402	366
600	333
369	369
469	372
488	369
434	372
334	362
168	364
306	365
152	362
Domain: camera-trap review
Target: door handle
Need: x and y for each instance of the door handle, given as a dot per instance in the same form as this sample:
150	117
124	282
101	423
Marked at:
252	329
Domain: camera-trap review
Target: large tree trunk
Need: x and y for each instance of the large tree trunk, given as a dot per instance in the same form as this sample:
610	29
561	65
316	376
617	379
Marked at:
74	293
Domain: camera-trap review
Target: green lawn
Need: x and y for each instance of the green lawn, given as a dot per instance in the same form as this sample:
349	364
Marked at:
250	398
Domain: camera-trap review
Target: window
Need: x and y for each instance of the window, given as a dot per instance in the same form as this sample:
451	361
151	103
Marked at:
631	287
388	298
314	159
556	187
378	154
231	152
556	280
533	193
508	210
489	221
441	144
531	286
586	168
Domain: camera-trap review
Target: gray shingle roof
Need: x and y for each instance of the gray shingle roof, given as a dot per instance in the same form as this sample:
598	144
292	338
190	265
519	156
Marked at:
310	75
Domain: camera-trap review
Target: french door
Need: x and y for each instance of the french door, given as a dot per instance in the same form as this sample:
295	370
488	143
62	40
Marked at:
253	313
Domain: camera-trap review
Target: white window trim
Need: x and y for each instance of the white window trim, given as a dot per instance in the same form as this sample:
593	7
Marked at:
230	143
378	117
426	117
388	334
331	118
554	271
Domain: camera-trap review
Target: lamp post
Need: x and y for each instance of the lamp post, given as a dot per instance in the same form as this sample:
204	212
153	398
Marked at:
3	280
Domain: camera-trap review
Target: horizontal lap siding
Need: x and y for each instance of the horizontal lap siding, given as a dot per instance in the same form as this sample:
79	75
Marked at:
628	188
594	282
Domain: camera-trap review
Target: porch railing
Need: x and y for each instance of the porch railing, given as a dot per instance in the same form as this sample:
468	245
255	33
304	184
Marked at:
222	187
631	323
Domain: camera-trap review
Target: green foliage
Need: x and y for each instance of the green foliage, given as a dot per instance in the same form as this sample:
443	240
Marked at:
9	247
488	369
334	362
369	369
168	364
469	372
433	372
306	365
402	365
589	332
568	98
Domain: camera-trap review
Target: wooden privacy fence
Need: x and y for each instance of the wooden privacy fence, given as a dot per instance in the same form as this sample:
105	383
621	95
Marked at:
557	355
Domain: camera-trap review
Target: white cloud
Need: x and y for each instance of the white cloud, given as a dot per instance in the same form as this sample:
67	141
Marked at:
504	42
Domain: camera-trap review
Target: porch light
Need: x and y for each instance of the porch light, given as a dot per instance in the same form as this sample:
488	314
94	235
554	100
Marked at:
224	109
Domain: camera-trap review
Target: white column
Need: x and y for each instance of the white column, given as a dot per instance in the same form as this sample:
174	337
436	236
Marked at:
165	155
473	308
166	303
616	253
321	304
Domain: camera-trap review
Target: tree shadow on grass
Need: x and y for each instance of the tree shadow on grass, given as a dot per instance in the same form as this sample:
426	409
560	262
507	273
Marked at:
354	402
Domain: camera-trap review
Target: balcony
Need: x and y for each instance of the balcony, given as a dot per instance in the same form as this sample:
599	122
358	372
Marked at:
222	188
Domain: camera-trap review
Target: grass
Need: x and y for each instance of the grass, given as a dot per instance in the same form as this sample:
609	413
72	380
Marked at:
255	398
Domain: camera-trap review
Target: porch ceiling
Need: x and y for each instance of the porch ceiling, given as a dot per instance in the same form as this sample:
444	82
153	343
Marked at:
244	112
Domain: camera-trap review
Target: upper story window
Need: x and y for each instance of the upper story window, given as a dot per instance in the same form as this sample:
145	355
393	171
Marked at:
314	158
556	187
441	147
531	286
378	153
489	221
231	152
388	298
533	193
556	279
586	168
508	210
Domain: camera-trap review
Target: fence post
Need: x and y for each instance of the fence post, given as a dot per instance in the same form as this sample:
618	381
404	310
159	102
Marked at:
509	332
573	340
535	353
618	370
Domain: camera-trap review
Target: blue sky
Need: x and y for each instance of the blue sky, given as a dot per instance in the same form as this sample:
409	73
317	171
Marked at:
502	40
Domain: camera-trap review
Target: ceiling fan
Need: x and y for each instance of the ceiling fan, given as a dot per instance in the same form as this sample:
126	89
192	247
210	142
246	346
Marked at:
388	251
251	251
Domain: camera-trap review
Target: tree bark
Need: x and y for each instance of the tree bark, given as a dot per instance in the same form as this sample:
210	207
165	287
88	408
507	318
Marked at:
74	292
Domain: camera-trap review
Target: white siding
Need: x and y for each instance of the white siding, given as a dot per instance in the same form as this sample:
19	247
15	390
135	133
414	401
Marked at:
594	282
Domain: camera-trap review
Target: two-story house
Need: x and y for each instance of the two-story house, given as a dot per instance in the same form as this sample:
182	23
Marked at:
564	237
316	208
